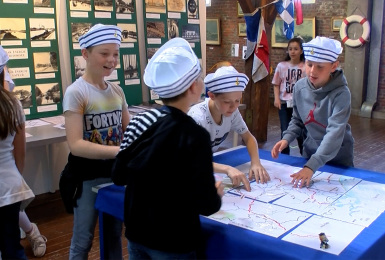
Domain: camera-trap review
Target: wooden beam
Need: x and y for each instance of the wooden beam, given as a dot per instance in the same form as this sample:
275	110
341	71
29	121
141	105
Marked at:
256	95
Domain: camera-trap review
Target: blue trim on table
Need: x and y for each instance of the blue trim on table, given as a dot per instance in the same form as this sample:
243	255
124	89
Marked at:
231	242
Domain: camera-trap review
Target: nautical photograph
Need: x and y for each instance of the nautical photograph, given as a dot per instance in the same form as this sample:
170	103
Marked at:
80	66
176	6
173	29
130	64
45	62
156	6
103	5
12	29
155	30
48	93
42	29
190	32
125	6
129	33
42	3
24	95
80	5
78	29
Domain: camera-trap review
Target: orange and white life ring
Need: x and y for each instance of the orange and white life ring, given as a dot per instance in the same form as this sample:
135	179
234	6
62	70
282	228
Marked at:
365	34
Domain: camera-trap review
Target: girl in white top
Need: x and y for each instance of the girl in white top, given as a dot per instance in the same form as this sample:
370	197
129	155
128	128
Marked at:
287	73
13	188
27	229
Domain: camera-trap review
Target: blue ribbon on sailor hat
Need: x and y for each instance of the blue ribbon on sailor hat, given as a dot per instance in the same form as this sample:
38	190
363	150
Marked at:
226	79
322	49
172	69
101	34
3	58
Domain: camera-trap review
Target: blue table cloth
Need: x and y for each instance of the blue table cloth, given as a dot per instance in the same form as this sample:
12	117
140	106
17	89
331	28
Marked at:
222	241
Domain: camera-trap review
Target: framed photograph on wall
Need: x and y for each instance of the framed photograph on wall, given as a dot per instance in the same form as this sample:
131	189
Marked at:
213	32
336	23
306	30
241	29
240	12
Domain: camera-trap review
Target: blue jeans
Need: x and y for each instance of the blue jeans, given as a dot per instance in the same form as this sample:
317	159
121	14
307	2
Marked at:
285	114
10	247
85	218
138	252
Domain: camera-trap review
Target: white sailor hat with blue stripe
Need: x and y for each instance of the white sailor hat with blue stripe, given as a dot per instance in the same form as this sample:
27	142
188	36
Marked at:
226	79
3	58
172	69
322	49
101	34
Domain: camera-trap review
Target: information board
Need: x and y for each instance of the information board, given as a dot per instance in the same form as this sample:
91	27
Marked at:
28	33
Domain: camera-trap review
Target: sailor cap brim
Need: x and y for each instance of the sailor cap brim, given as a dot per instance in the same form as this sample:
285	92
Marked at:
226	79
322	49
101	34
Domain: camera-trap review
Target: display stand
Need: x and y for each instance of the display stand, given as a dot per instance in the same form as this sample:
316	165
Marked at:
82	15
162	22
28	33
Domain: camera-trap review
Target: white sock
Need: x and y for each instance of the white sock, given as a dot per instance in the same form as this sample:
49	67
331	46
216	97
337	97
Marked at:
24	222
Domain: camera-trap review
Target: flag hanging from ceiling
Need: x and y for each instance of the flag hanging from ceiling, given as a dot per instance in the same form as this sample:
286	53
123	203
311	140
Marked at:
298	12
285	9
257	45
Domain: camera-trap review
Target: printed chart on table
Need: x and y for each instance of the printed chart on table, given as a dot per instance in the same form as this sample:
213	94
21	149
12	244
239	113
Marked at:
338	205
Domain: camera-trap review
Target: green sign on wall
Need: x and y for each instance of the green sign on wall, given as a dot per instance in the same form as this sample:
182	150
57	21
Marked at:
164	20
28	32
82	15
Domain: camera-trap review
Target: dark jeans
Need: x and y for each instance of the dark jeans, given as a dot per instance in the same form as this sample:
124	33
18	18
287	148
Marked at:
10	246
285	114
138	252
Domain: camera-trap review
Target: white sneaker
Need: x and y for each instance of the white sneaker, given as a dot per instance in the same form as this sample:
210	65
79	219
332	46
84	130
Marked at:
37	241
22	234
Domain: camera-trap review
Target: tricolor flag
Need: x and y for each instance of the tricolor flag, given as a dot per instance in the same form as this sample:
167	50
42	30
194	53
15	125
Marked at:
257	42
285	8
298	12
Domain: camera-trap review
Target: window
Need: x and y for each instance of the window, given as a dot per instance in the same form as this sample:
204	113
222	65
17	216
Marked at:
208	2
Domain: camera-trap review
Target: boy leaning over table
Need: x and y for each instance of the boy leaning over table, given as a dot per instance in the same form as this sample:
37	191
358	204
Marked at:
165	160
219	115
322	107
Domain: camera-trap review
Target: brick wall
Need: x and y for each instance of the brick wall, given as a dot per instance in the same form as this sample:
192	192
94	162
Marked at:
226	11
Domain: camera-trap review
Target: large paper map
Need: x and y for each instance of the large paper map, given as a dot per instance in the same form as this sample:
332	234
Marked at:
261	217
333	204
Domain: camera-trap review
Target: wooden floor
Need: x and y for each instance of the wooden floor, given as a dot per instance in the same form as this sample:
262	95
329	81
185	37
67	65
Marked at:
48	212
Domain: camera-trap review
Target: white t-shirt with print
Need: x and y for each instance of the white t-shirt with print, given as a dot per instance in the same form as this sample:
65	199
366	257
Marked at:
101	110
285	76
218	133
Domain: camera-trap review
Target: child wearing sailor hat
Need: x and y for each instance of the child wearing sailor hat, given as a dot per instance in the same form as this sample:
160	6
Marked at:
219	115
92	108
166	148
321	106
